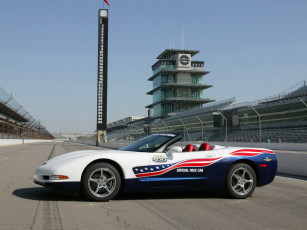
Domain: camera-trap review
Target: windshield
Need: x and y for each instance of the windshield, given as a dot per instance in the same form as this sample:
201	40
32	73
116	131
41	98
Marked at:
149	144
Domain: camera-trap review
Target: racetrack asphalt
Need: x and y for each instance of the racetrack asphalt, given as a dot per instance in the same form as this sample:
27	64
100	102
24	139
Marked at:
25	205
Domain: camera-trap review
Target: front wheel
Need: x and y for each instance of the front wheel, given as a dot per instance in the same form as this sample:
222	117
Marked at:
101	182
240	181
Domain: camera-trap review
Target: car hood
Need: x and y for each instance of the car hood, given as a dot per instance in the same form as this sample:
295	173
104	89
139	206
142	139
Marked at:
80	154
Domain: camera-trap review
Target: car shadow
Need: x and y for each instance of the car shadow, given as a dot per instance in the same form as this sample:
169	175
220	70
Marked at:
41	193
172	195
44	194
292	176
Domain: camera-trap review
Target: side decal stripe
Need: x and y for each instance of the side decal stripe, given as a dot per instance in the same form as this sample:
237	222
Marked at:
179	165
201	162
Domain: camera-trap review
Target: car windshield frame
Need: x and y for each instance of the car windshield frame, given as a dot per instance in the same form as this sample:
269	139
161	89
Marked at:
150	143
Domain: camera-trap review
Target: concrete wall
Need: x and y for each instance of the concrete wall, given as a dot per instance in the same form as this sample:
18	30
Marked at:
293	163
5	142
273	146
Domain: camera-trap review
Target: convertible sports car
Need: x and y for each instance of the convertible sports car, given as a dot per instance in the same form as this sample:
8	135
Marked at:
155	164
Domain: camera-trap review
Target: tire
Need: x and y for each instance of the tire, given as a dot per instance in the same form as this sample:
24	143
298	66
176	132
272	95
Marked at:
100	182
241	181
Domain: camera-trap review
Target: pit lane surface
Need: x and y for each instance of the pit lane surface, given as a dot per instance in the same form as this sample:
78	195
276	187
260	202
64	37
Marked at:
25	205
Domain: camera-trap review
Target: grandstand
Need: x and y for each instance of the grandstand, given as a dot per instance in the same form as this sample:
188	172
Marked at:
280	118
17	123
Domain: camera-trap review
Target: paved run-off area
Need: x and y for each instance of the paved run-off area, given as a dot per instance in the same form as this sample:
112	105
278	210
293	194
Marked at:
25	205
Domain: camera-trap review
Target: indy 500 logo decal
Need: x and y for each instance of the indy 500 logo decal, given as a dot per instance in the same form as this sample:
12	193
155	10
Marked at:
159	158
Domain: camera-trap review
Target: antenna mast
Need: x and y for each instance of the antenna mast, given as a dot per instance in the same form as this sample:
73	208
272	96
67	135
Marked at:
183	37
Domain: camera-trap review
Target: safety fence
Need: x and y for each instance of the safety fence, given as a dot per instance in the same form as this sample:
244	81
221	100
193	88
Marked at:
17	123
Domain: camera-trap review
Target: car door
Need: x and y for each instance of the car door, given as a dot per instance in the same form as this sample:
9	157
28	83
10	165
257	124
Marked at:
183	170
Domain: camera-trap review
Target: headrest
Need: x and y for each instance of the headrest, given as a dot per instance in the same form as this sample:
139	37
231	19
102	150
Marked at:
189	148
204	147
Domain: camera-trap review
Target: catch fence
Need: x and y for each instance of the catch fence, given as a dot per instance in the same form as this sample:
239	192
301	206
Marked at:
17	123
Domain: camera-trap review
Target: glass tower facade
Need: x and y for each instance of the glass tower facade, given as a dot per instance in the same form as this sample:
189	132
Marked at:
177	82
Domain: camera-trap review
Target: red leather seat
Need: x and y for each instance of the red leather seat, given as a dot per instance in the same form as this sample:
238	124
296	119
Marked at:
189	148
204	147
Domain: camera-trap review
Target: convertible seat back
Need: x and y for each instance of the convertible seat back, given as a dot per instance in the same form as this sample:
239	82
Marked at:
189	148
204	147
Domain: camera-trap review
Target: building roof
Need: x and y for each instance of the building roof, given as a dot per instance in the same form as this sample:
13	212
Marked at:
175	85
194	72
169	52
188	100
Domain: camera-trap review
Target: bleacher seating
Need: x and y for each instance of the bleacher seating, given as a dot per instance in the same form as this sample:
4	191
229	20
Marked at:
283	118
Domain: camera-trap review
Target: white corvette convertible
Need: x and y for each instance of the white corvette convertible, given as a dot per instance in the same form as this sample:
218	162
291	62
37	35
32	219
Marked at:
150	164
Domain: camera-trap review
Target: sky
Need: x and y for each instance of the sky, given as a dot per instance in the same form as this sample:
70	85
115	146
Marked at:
48	52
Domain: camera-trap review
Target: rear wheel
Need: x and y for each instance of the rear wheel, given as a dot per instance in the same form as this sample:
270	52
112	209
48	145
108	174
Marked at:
240	181
101	182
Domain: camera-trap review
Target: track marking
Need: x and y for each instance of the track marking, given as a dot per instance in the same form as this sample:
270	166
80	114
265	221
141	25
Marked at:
51	214
52	152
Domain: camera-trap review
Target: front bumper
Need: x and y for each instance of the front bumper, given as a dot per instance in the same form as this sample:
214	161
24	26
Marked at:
70	185
43	177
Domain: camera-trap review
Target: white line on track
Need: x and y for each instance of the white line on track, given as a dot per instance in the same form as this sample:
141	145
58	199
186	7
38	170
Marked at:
3	159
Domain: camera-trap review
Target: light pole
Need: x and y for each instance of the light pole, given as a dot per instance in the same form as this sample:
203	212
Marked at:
184	130
302	101
138	128
155	127
259	120
219	113
165	125
202	127
146	126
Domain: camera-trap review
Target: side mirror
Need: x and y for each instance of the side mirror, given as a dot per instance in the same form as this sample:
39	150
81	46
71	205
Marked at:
175	149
